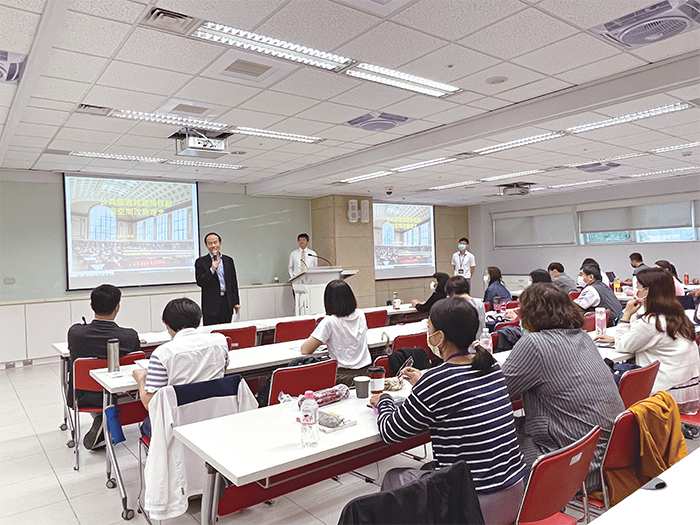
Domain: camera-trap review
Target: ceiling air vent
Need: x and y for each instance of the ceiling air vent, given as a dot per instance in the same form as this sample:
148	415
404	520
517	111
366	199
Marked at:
190	110
93	110
171	21
378	121
247	68
598	167
651	24
11	66
515	188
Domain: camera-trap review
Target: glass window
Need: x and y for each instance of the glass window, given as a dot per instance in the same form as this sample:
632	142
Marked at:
665	235
607	237
139	230
148	230
180	224
424	234
103	225
162	227
387	234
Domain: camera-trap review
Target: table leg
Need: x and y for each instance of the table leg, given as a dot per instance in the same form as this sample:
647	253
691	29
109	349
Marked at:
210	496
112	462
67	421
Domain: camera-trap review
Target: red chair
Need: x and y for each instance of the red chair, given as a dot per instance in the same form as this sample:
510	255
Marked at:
589	322
129	413
511	305
383	361
494	341
376	318
555	479
574	295
516	322
293	330
239	337
636	385
413	341
295	380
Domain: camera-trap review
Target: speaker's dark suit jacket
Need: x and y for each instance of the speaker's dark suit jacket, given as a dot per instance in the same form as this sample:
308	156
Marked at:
209	283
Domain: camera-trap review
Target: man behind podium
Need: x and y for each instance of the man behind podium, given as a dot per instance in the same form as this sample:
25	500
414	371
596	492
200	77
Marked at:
303	257
216	276
90	340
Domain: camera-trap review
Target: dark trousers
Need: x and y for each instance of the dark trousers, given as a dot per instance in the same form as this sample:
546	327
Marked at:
225	313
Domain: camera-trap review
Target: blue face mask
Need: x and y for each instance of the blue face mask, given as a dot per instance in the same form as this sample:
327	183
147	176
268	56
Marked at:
462	246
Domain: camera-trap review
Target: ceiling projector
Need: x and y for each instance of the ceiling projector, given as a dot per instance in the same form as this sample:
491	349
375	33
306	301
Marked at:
197	143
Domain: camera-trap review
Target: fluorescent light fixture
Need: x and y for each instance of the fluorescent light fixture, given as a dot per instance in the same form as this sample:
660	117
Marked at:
167	118
424	164
455	185
676	147
631	117
537	189
276	135
570	184
270	46
369	176
662	172
511	175
201	164
401	80
607	159
519	142
116	156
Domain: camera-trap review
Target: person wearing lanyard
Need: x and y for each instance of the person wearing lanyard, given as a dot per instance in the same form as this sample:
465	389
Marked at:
464	261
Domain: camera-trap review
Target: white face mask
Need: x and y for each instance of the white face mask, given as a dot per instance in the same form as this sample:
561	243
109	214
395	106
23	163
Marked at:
580	281
433	285
486	280
435	348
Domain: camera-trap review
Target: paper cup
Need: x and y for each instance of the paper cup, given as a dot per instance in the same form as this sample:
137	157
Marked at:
362	387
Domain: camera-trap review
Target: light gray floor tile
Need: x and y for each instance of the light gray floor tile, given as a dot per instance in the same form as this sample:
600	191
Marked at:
59	513
24	469
24	496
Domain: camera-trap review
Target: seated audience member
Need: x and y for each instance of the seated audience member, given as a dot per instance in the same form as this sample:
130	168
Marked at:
637	263
464	405
661	333
603	276
90	340
494	286
671	269
190	357
437	285
597	294
458	286
560	278
540	276
344	331
567	389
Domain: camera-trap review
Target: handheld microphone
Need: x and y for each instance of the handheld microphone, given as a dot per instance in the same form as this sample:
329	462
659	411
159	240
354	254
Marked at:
319	257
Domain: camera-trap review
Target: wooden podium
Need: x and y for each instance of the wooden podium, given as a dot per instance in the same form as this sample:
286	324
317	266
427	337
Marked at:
310	285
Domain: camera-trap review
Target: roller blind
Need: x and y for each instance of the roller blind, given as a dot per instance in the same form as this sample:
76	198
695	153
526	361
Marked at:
651	216
539	230
697	213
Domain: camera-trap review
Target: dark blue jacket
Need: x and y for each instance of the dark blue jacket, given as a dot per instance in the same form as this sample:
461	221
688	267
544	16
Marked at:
496	289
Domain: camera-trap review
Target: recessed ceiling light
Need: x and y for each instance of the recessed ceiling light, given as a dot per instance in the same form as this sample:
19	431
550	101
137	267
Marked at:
510	175
496	80
455	185
116	156
519	142
662	172
424	164
275	135
607	159
676	147
168	118
570	184
201	164
401	80
369	176
271	46
631	117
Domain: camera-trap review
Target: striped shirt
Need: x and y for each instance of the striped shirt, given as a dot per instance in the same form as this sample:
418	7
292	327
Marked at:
469	417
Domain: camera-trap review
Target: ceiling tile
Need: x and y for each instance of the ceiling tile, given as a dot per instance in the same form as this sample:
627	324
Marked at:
592	12
534	89
98	123
601	68
452	19
315	84
243	14
687	93
420	106
449	63
50	104
166	51
30	141
371	96
278	103
155	143
153	129
329	112
17	29
412	127
300	126
216	92
142	78
23	155
687	116
672	47
518	34
345	133
44	116
17	164
7	93
123	99
688	132
638	104
250	119
454	115
74	66
490	103
517	76
35	6
119	10
96	36
3	114
566	54
298	22
59	89
87	135
390	45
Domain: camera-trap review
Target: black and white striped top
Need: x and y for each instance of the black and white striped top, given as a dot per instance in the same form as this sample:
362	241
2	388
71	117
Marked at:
469	417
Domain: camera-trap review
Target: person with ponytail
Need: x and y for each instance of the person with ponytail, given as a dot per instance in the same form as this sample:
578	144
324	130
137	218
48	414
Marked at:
661	333
464	405
567	388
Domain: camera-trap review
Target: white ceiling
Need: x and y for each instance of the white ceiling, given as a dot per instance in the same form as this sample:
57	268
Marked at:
559	75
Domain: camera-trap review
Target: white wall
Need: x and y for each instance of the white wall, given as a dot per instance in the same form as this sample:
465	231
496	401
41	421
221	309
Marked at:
615	258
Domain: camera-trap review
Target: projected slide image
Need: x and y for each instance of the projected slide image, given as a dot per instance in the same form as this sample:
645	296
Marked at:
403	241
130	232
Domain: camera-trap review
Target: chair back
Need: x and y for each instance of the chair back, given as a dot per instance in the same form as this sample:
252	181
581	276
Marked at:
376	318
511	305
588	322
487	307
239	337
556	477
82	380
516	322
494	341
636	385
383	361
574	295
293	330
413	341
622	450
686	301
295	380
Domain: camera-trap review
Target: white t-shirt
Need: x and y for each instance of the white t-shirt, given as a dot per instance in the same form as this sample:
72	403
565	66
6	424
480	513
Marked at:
346	339
294	266
463	262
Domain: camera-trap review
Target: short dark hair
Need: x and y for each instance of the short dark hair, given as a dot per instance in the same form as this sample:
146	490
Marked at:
182	313
459	321
636	257
556	266
303	236
441	279
589	269
464	239
540	276
457	285
494	274
338	298
544	306
590	262
211	233
104	299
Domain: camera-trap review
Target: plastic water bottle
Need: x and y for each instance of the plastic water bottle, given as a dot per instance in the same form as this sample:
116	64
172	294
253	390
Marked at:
485	340
309	420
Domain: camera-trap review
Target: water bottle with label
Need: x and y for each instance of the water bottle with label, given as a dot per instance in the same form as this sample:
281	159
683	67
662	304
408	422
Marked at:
309	420
600	321
396	302
485	340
